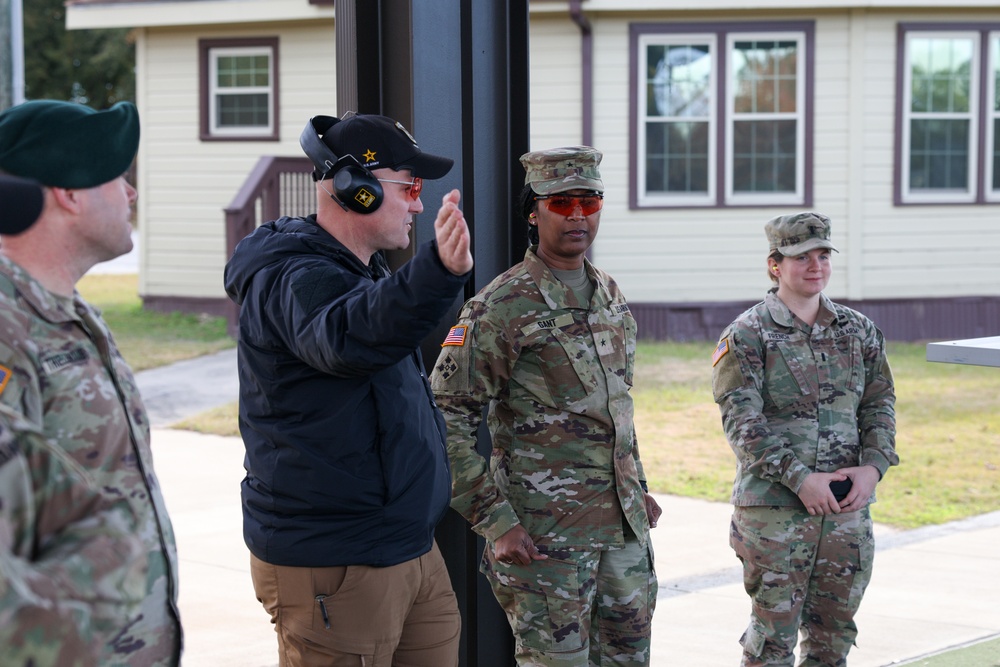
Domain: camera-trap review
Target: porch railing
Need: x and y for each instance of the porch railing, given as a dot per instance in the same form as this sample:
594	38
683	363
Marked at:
276	186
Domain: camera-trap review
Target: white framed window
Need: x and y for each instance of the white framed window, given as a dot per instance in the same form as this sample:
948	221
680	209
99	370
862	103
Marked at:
722	114
765	129
239	89
992	161
677	120
940	117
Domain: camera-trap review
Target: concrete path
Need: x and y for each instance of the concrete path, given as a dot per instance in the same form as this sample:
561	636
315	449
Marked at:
932	589
181	390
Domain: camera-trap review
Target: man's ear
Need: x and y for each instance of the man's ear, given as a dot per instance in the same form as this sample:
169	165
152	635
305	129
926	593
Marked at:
67	199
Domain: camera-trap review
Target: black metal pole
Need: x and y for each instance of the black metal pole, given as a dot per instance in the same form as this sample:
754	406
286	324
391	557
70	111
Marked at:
456	74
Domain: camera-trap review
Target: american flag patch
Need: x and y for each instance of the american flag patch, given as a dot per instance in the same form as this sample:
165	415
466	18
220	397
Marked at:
456	336
720	351
5	374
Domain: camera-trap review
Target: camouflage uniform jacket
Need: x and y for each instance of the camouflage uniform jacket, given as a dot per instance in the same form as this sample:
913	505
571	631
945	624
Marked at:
64	373
70	564
796	400
565	462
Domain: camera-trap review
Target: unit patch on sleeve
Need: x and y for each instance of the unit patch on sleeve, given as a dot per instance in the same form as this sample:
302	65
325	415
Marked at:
456	336
720	351
5	374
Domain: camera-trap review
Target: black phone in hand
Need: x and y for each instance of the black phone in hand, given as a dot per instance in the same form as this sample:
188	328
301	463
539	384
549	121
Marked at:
841	489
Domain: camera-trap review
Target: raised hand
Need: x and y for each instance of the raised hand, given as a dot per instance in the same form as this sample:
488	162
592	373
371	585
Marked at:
453	238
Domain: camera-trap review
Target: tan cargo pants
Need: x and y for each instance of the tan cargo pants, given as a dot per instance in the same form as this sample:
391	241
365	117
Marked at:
357	615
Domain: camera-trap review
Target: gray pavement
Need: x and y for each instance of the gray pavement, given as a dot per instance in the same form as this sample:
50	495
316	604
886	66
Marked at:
175	392
932	589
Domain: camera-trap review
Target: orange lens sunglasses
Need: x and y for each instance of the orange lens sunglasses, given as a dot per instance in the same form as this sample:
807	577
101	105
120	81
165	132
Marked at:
565	204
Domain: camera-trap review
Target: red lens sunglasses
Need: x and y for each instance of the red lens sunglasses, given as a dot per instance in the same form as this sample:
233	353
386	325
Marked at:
416	185
562	204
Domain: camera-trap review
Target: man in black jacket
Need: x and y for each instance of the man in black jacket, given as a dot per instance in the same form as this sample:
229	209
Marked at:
347	472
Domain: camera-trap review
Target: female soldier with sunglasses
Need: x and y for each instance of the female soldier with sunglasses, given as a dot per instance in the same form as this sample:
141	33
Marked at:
549	346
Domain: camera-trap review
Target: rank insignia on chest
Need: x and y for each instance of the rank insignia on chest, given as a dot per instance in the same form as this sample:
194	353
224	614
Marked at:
721	350
5	374
456	336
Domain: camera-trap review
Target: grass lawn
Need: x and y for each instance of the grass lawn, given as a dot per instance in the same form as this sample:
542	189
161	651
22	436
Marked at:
984	653
148	339
948	422
948	433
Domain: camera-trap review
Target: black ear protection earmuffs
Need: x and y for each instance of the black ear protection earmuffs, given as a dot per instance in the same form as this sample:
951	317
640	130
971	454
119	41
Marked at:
354	187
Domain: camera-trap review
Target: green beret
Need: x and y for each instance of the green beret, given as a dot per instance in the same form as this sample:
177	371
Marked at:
67	145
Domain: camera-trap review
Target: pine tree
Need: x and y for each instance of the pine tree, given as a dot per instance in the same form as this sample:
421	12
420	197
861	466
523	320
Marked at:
93	67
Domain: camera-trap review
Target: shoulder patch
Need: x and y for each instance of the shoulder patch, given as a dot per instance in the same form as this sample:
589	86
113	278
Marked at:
456	336
318	288
727	374
720	351
5	374
452	374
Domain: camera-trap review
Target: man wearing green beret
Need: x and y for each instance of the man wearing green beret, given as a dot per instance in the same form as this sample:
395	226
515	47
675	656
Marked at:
59	365
65	546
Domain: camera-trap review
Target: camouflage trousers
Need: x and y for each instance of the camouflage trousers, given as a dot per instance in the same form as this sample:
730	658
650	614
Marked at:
804	574
579	608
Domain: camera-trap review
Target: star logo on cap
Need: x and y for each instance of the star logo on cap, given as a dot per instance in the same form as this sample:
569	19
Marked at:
369	156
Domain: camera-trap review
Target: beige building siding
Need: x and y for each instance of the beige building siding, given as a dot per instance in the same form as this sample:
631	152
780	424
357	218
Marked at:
712	254
186	183
555	66
918	251
674	255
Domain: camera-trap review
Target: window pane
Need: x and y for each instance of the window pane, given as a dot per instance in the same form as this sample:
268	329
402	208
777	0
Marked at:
996	153
940	70
995	60
677	80
677	157
765	76
764	156
243	71
242	110
939	154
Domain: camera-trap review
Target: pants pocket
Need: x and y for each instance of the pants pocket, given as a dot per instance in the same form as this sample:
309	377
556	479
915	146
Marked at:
542	602
765	568
753	639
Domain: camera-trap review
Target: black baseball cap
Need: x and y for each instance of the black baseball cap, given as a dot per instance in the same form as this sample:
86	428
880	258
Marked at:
376	142
21	203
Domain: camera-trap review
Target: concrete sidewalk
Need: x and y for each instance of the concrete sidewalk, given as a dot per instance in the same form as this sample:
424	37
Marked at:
181	390
932	588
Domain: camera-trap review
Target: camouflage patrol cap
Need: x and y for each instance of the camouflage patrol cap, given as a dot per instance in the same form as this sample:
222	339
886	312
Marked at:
561	169
797	233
